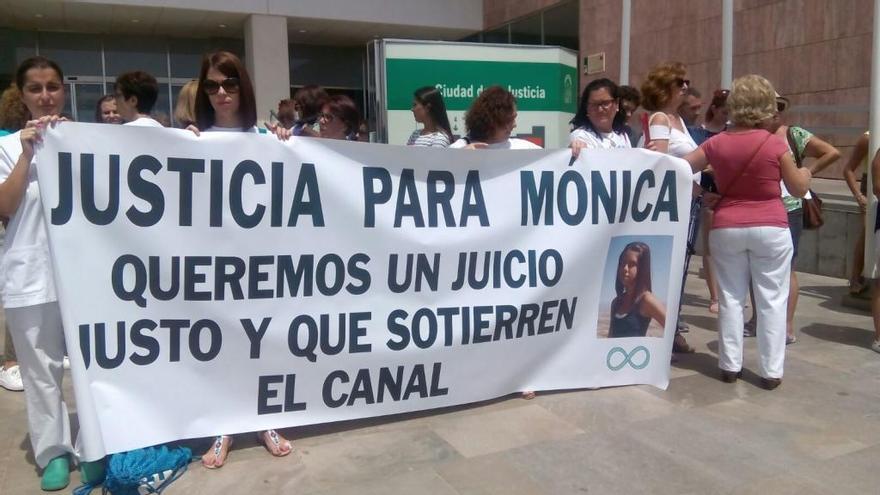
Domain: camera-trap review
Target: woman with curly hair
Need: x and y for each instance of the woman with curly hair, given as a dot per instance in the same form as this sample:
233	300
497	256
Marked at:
489	122
750	236
663	92
13	112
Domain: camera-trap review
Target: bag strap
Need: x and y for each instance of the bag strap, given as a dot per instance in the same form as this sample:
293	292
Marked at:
798	159
746	166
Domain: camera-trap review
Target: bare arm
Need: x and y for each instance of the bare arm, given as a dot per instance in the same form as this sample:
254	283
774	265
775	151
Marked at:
797	180
824	153
651	306
875	173
849	172
697	159
659	145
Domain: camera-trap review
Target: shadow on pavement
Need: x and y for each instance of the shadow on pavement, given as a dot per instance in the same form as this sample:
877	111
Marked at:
830	298
856	337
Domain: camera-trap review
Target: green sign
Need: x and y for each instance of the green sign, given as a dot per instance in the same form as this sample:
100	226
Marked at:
549	87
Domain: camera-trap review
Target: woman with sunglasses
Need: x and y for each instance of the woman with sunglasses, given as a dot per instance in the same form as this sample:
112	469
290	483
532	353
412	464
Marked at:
28	291
225	102
663	92
339	119
599	123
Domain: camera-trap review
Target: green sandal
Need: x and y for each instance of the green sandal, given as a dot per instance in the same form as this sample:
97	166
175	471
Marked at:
92	473
56	476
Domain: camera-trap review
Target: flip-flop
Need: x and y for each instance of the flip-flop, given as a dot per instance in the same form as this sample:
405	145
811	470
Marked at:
270	438
218	449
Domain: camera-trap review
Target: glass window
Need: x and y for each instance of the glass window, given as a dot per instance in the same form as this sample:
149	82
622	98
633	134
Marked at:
561	26
328	66
77	54
15	46
87	96
499	35
162	102
128	53
186	57
526	31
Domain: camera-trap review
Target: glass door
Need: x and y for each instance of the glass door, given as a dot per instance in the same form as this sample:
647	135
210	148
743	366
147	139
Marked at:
83	94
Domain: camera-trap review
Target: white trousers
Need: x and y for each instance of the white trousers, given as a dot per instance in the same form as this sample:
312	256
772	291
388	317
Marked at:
762	254
39	343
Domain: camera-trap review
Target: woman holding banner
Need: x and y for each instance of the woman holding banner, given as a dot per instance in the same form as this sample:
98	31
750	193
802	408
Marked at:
490	120
27	287
599	123
225	102
750	236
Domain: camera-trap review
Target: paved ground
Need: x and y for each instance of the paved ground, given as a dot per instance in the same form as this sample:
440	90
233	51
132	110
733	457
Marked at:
819	433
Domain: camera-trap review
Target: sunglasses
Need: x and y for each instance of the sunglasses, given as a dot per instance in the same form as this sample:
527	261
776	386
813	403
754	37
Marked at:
212	87
781	105
682	82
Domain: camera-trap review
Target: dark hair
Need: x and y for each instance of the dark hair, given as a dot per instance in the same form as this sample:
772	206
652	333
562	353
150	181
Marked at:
643	277
37	62
142	86
310	100
99	115
719	100
629	93
492	109
581	119
286	113
230	66
432	100
341	107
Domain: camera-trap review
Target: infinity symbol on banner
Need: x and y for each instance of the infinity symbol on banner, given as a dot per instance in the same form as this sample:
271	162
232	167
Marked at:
628	358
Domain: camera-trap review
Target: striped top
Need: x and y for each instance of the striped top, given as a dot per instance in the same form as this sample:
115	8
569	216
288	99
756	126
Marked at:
433	139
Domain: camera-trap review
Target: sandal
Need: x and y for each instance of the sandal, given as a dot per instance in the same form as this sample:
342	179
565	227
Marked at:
275	443
220	449
750	329
713	306
857	286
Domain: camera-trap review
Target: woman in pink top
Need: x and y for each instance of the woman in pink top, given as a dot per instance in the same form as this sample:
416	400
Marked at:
750	237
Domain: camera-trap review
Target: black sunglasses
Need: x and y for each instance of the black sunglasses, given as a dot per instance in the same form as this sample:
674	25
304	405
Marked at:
212	87
682	82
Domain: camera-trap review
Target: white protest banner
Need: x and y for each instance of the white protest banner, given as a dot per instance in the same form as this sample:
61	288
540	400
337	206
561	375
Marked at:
230	282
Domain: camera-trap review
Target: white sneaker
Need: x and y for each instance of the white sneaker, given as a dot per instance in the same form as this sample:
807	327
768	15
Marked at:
66	363
875	346
10	378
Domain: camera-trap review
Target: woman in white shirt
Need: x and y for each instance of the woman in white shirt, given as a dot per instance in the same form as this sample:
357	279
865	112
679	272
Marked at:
490	120
599	122
28	287
429	110
225	102
663	91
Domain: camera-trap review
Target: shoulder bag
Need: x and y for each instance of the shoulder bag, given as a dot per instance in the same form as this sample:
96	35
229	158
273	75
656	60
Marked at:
812	206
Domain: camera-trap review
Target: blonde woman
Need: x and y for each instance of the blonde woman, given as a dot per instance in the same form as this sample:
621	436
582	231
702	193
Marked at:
185	110
750	237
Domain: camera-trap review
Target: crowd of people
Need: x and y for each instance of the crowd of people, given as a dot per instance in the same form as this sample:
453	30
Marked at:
750	175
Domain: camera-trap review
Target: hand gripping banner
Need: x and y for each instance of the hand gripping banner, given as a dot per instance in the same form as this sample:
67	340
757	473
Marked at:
230	282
